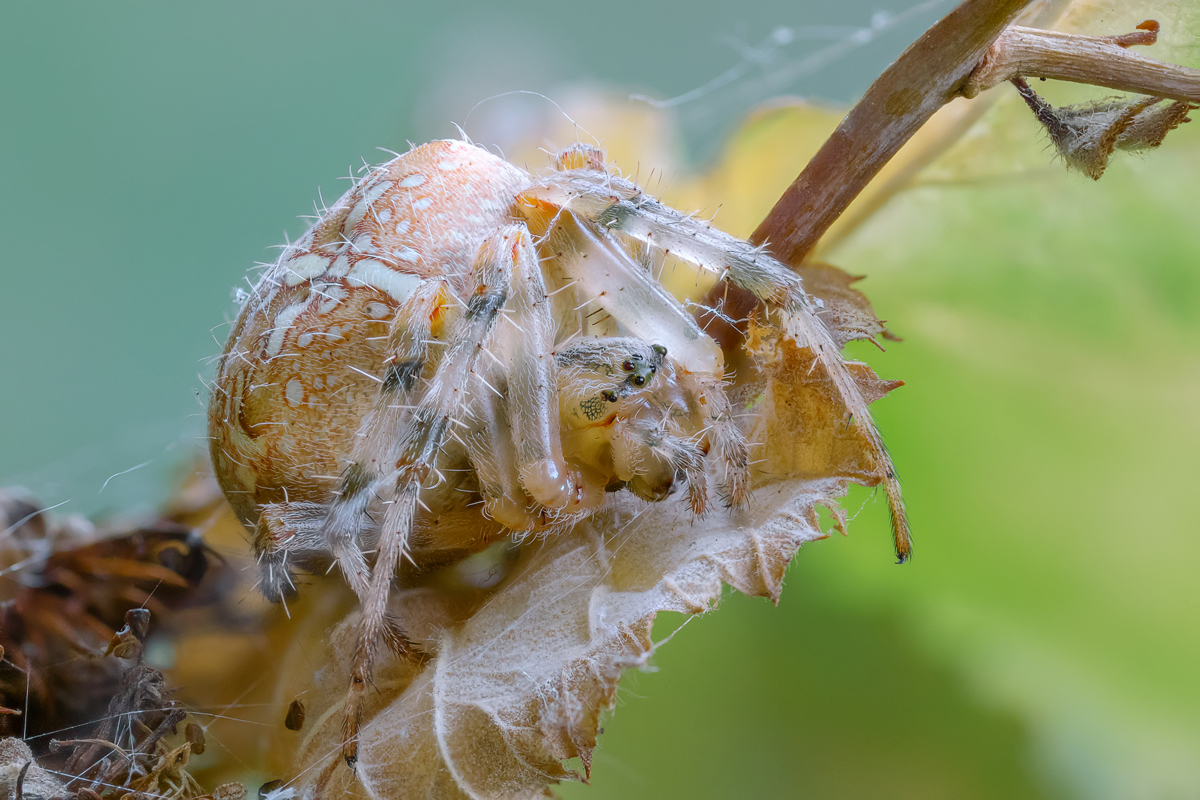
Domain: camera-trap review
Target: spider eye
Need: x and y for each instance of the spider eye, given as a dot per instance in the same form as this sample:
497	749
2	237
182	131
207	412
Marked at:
659	349
639	380
628	366
609	395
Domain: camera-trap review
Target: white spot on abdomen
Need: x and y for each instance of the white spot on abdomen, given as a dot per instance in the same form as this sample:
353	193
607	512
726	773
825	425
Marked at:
356	216
303	268
363	243
331	295
416	179
377	275
422	204
294	392
283	323
341	265
376	191
408	254
377	310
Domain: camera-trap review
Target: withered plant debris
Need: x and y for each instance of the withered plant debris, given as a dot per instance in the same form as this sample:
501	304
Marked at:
132	752
21	777
294	720
66	585
75	607
1086	135
844	310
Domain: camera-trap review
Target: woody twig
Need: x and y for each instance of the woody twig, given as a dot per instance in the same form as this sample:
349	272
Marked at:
1097	60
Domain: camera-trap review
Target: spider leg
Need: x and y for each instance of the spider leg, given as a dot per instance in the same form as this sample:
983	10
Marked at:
669	457
533	399
347	522
616	204
420	443
286	532
726	441
491	449
606	274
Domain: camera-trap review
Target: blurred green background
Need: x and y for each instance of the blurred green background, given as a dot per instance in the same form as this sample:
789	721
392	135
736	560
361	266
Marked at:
1045	641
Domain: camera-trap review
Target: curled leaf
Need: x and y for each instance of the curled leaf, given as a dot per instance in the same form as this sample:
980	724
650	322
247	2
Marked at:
520	686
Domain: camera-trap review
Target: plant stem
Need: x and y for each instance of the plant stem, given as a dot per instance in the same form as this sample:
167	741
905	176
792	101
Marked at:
929	74
1097	60
967	51
926	76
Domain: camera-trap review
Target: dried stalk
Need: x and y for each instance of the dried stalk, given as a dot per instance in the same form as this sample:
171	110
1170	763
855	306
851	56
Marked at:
1096	60
929	74
967	51
925	77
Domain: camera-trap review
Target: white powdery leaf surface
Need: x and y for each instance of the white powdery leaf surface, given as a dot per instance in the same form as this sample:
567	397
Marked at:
523	673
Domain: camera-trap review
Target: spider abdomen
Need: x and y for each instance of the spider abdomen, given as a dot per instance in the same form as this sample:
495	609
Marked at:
300	368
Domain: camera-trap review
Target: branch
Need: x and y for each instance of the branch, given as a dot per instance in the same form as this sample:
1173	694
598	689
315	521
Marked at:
965	53
926	76
929	74
1096	60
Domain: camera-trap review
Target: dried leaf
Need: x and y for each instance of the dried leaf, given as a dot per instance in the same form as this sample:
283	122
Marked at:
803	425
845	311
520	686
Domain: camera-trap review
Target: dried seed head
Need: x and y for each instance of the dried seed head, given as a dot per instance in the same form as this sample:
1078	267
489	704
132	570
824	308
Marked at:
1086	135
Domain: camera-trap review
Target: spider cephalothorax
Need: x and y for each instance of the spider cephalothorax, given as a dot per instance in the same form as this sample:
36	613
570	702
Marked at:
459	350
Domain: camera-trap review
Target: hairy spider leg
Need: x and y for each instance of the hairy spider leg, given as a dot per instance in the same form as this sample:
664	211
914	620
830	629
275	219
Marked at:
419	445
616	204
604	273
533	400
633	438
491	449
727	443
802	324
376	448
286	532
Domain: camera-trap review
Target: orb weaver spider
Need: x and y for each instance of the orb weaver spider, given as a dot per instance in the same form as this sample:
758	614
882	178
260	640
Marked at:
458	351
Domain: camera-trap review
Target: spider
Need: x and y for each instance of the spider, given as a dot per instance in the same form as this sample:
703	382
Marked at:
459	351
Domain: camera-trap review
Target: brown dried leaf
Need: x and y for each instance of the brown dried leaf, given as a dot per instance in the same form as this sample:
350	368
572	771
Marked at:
845	311
803	425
